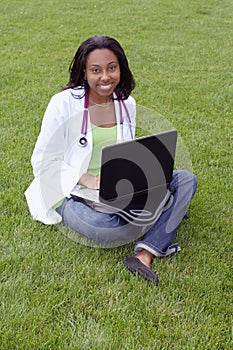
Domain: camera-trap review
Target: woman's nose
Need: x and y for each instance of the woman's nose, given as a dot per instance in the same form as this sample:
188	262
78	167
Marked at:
104	76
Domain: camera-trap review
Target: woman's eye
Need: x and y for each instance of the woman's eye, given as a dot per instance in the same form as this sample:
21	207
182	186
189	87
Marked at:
95	70
112	67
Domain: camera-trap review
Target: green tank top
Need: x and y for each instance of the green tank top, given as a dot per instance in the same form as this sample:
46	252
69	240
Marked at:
101	137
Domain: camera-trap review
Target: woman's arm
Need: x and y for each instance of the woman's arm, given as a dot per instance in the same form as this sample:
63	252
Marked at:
89	181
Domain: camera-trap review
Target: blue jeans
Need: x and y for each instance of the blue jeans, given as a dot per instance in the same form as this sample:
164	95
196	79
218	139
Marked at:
111	230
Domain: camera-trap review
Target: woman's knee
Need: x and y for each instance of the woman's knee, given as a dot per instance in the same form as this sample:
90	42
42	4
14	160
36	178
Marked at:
185	179
190	179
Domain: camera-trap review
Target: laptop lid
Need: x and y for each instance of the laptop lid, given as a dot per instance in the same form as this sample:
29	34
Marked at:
137	166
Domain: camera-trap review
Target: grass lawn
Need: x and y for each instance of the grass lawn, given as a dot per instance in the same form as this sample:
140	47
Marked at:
58	294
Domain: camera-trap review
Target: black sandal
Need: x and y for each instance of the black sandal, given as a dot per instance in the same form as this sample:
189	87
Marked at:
135	266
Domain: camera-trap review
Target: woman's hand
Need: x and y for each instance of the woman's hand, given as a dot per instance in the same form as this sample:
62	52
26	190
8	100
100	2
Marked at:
89	181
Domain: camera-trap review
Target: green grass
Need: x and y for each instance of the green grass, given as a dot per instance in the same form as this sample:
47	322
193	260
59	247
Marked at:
58	294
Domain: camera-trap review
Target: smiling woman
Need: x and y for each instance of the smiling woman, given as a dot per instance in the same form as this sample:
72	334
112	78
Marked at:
102	73
95	107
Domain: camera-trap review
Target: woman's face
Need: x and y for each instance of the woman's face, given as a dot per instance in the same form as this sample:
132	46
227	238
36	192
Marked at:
102	73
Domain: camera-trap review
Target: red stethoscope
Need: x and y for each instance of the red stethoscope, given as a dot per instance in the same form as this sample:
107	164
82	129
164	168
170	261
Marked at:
83	140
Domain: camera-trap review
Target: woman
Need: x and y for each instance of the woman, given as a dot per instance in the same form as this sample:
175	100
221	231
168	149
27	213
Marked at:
78	121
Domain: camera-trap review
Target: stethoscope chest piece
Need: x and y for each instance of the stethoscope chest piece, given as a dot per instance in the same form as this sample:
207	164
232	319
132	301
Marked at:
82	141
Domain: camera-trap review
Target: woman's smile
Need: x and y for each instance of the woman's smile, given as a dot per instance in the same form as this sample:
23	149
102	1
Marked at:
103	74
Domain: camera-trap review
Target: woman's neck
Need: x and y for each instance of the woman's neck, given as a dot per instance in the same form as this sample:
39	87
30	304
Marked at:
101	101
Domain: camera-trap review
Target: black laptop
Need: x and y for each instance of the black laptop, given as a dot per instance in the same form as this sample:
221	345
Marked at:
134	178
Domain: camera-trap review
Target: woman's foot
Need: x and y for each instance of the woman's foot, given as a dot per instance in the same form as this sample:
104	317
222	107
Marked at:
140	266
145	257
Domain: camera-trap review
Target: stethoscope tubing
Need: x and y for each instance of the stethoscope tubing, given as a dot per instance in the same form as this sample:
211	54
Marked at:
83	140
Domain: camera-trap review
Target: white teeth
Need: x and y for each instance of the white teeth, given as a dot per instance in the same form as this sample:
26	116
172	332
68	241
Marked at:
105	87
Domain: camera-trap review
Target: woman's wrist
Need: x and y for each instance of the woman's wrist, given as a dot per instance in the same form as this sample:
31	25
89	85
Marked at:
89	181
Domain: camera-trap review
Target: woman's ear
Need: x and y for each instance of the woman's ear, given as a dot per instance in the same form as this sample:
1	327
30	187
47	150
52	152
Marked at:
84	72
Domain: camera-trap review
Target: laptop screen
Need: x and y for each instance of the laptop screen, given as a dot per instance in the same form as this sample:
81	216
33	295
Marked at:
137	166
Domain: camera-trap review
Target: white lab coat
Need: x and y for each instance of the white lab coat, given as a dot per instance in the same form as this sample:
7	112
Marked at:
58	161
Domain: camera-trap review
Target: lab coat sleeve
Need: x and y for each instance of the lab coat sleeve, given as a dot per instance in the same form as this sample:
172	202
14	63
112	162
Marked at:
54	177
